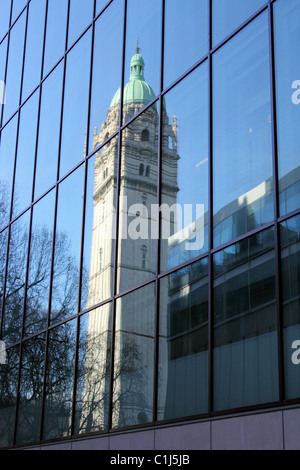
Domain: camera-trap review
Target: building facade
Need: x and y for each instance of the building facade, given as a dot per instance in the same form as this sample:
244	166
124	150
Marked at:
150	224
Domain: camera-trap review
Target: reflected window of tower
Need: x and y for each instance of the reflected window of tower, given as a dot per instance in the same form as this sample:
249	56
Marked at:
145	135
144	253
148	170
141	171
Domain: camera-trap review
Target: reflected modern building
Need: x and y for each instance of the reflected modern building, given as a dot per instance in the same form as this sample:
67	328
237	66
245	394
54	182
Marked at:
150	224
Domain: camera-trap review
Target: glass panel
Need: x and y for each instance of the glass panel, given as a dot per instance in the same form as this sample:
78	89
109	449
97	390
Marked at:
184	185
49	128
3	52
290	262
108	30
31	390
3	251
14	68
67	247
55	33
227	15
93	374
9	370
134	358
80	16
186	36
287	34
143	52
245	323
243	198
4	14
37	294
183	342
100	4
59	381
18	6
34	46
15	280
138	201
25	154
75	113
100	226
7	159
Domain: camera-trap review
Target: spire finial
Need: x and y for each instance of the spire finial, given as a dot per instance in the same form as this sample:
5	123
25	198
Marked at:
137	49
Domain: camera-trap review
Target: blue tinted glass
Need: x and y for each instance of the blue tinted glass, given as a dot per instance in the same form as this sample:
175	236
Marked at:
14	68
25	154
34	46
75	112
287	60
7	158
80	16
49	127
18	6
242	159
55	33
227	15
186	36
4	15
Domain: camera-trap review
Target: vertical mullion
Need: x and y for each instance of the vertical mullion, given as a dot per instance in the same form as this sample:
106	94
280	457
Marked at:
158	244
276	203
210	218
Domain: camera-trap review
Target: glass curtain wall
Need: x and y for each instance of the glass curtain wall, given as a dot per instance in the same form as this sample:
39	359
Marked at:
149	212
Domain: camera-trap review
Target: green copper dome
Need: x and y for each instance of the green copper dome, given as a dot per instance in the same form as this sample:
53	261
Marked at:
136	90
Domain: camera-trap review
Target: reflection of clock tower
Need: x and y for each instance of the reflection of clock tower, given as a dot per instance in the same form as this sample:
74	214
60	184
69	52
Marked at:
138	193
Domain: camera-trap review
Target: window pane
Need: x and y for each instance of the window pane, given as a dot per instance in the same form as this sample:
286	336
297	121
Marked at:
15	280
186	36
7	159
55	33
242	162
8	395
67	247
290	262
184	187
100	4
3	251
4	14
93	374
100	226
49	125
34	46
75	112
14	68
143	52
108	30
138	196
134	360
18	6
25	154
183	343
3	52
80	16
31	390
228	15
245	324
287	34
59	381
37	295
